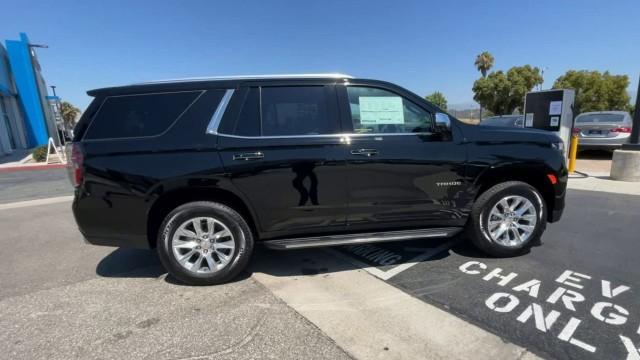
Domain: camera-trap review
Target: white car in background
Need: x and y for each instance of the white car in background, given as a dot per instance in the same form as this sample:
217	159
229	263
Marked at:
606	130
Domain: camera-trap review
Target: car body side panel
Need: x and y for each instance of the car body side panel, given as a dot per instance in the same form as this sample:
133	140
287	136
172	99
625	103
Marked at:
513	153
298	187
123	177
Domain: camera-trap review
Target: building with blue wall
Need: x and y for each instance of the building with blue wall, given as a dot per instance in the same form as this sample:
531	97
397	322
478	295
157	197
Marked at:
26	120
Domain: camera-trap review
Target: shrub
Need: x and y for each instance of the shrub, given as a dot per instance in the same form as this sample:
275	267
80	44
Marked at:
39	154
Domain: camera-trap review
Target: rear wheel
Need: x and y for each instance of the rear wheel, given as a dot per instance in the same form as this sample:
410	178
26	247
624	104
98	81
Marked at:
507	219
204	243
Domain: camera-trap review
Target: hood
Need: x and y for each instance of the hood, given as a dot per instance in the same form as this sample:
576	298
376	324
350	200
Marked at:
509	134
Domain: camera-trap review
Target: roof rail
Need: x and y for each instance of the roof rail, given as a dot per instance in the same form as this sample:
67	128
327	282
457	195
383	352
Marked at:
250	77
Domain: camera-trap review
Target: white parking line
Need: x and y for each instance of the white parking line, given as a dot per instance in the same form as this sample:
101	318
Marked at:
386	275
38	202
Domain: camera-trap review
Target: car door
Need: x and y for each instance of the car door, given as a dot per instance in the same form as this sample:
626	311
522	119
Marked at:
403	170
285	155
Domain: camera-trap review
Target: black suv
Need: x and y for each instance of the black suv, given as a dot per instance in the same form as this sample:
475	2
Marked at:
203	169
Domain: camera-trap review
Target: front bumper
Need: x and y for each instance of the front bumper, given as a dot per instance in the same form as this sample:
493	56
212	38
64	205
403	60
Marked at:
555	215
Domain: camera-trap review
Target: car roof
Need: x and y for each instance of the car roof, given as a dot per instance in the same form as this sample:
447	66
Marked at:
615	112
182	84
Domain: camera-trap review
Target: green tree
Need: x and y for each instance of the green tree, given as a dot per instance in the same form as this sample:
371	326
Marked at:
437	99
502	93
69	113
484	62
596	91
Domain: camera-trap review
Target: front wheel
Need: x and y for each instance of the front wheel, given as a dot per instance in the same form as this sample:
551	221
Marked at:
507	219
204	243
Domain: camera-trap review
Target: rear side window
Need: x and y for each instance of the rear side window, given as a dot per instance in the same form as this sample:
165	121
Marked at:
138	115
248	123
299	110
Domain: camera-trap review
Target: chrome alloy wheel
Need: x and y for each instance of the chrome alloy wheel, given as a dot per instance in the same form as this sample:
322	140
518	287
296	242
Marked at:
512	221
203	245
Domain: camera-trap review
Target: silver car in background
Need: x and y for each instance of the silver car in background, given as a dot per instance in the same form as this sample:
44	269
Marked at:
605	130
504	120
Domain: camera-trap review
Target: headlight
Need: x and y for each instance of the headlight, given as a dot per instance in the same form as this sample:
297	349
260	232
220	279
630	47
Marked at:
558	146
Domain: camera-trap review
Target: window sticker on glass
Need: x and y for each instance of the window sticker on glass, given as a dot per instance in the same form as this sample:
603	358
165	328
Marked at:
381	110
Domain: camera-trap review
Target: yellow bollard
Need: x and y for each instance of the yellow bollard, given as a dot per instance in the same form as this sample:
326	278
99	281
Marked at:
573	153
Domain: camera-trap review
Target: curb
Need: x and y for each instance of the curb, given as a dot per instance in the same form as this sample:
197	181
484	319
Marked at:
31	167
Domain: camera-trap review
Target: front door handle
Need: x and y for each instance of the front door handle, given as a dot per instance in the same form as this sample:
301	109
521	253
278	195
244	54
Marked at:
364	152
249	156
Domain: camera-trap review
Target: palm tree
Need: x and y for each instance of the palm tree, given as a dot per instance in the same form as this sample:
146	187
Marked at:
484	63
69	113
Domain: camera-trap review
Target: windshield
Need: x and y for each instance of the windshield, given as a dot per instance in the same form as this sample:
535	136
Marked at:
499	121
600	118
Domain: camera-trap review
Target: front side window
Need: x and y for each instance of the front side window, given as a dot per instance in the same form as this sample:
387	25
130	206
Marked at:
296	110
138	115
377	111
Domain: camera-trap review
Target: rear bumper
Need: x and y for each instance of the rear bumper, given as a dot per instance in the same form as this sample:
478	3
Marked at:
603	143
94	234
118	241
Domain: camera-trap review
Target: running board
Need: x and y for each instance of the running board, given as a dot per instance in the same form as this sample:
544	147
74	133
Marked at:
349	239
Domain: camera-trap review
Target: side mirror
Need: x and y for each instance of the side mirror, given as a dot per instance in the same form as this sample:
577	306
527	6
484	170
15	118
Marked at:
443	121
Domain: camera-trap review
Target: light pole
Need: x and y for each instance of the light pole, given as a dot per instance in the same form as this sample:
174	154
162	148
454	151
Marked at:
542	75
53	89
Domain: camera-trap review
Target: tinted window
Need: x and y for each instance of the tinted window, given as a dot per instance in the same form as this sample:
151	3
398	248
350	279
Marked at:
300	110
138	115
600	118
379	111
248	123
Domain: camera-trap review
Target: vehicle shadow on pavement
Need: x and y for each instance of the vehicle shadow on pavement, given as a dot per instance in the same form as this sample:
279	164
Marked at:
138	263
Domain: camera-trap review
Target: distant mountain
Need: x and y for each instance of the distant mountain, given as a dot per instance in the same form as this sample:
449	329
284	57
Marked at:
464	105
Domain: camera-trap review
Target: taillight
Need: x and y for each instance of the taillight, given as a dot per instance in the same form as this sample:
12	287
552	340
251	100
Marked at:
75	164
621	129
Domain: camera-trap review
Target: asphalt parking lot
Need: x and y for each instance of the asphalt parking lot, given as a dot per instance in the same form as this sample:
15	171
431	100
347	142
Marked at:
574	297
62	299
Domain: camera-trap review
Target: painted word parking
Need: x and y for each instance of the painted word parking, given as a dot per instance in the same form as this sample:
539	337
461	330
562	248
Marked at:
559	308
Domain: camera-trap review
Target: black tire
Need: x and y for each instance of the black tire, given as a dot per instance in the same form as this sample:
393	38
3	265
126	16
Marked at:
242	237
477	227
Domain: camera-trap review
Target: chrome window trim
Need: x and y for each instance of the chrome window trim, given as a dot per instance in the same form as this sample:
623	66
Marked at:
214	123
339	135
251	77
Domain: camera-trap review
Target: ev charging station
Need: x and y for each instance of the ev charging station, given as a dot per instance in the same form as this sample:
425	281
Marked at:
551	110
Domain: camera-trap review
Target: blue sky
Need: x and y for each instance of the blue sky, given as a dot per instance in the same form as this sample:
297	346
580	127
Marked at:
421	45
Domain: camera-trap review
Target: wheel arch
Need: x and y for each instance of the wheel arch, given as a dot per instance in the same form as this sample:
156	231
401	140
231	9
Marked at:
164	204
535	176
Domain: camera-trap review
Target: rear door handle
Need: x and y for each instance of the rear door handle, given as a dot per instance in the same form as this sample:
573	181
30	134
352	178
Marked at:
364	152
249	156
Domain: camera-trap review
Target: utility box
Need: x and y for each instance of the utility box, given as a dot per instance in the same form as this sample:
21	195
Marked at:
551	110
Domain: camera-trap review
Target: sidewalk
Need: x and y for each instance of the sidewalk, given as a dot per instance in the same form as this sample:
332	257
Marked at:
369	318
20	160
600	181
